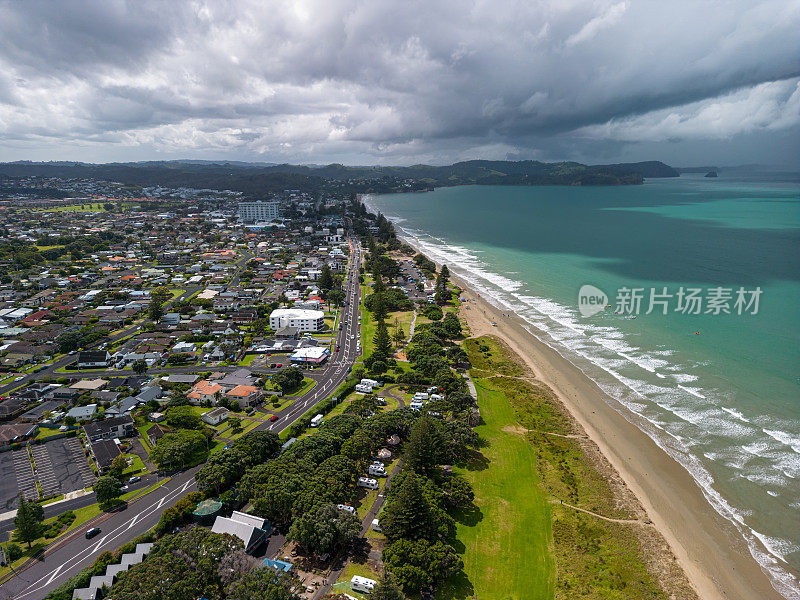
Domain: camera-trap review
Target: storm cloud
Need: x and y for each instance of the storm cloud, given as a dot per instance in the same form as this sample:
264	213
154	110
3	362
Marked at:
400	82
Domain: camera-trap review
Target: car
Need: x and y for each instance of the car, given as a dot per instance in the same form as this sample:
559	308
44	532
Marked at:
134	479
337	347
278	365
274	418
90	533
124	488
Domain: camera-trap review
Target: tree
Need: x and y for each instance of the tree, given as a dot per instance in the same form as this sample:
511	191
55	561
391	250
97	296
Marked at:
288	379
175	449
155	311
387	589
442	293
139	366
262	584
182	417
29	521
383	345
69	341
452	325
399	336
409	514
324	530
107	488
235	423
425	448
336	297
325	279
419	564
118	465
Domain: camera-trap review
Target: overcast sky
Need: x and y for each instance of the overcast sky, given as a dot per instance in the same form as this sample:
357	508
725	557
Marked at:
401	81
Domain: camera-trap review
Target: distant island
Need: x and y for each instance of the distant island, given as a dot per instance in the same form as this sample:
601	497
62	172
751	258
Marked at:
260	179
711	174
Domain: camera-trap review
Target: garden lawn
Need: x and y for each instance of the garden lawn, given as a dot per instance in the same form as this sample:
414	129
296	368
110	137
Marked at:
507	544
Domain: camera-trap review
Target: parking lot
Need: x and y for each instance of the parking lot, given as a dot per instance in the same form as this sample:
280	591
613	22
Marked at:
26	481
9	492
66	466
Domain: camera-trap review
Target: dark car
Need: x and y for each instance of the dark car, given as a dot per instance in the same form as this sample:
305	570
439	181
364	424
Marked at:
90	533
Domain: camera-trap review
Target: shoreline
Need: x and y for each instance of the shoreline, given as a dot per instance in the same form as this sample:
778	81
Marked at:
714	558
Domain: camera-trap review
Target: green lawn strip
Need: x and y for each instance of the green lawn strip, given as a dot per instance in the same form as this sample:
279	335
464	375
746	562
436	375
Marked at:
128	496
308	384
525	544
506	542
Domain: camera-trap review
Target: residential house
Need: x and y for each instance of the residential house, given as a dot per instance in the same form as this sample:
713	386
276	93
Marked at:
83	413
107	429
104	452
215	416
90	359
250	529
246	395
205	391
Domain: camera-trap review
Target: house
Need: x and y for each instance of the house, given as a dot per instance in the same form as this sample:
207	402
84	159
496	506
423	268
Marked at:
90	359
250	529
302	319
204	391
109	428
83	413
215	416
157	417
104	452
246	395
154	434
17	432
183	378
312	355
90	385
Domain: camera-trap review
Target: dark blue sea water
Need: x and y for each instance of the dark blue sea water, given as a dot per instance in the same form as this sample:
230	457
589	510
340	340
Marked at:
719	391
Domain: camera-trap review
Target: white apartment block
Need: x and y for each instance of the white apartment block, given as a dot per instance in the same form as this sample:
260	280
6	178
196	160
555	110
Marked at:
255	212
303	320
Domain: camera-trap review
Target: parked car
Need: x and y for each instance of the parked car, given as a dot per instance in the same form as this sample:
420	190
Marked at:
134	479
90	533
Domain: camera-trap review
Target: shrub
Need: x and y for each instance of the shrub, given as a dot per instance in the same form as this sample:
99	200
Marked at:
13	551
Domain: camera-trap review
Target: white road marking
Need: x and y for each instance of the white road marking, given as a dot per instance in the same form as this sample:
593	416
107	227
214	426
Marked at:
100	543
55	574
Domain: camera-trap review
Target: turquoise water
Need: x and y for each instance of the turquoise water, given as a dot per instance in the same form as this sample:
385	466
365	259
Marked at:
719	392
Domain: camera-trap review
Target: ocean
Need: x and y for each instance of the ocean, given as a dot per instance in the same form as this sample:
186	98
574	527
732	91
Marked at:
716	380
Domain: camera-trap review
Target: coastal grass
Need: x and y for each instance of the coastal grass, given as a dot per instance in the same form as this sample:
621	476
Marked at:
506	539
532	461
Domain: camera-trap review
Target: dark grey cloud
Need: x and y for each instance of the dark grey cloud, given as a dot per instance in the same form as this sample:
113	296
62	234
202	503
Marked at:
365	81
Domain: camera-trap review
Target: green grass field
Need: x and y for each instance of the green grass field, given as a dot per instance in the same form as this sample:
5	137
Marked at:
521	542
507	540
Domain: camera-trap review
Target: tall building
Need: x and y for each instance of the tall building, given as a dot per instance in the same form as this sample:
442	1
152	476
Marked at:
253	212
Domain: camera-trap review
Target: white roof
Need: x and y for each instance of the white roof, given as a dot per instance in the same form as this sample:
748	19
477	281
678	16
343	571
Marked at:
240	525
311	352
296	313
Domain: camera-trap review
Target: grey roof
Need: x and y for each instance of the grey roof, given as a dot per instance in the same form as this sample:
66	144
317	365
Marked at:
82	412
148	393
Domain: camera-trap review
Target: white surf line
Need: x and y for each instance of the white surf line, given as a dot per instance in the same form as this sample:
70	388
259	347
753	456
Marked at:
87	552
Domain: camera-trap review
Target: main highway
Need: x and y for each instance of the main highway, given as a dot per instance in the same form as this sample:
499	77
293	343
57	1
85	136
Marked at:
68	556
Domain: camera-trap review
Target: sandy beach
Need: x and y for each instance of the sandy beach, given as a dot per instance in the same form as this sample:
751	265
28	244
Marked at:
713	556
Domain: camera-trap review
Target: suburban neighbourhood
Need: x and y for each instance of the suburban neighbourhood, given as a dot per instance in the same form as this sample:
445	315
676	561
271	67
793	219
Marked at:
161	355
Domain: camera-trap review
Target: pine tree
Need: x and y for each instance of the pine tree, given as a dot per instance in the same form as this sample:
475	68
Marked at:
424	450
326	278
29	521
442	293
399	336
408	515
383	345
387	589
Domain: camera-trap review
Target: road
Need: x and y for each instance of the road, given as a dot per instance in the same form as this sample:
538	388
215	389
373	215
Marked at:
76	553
